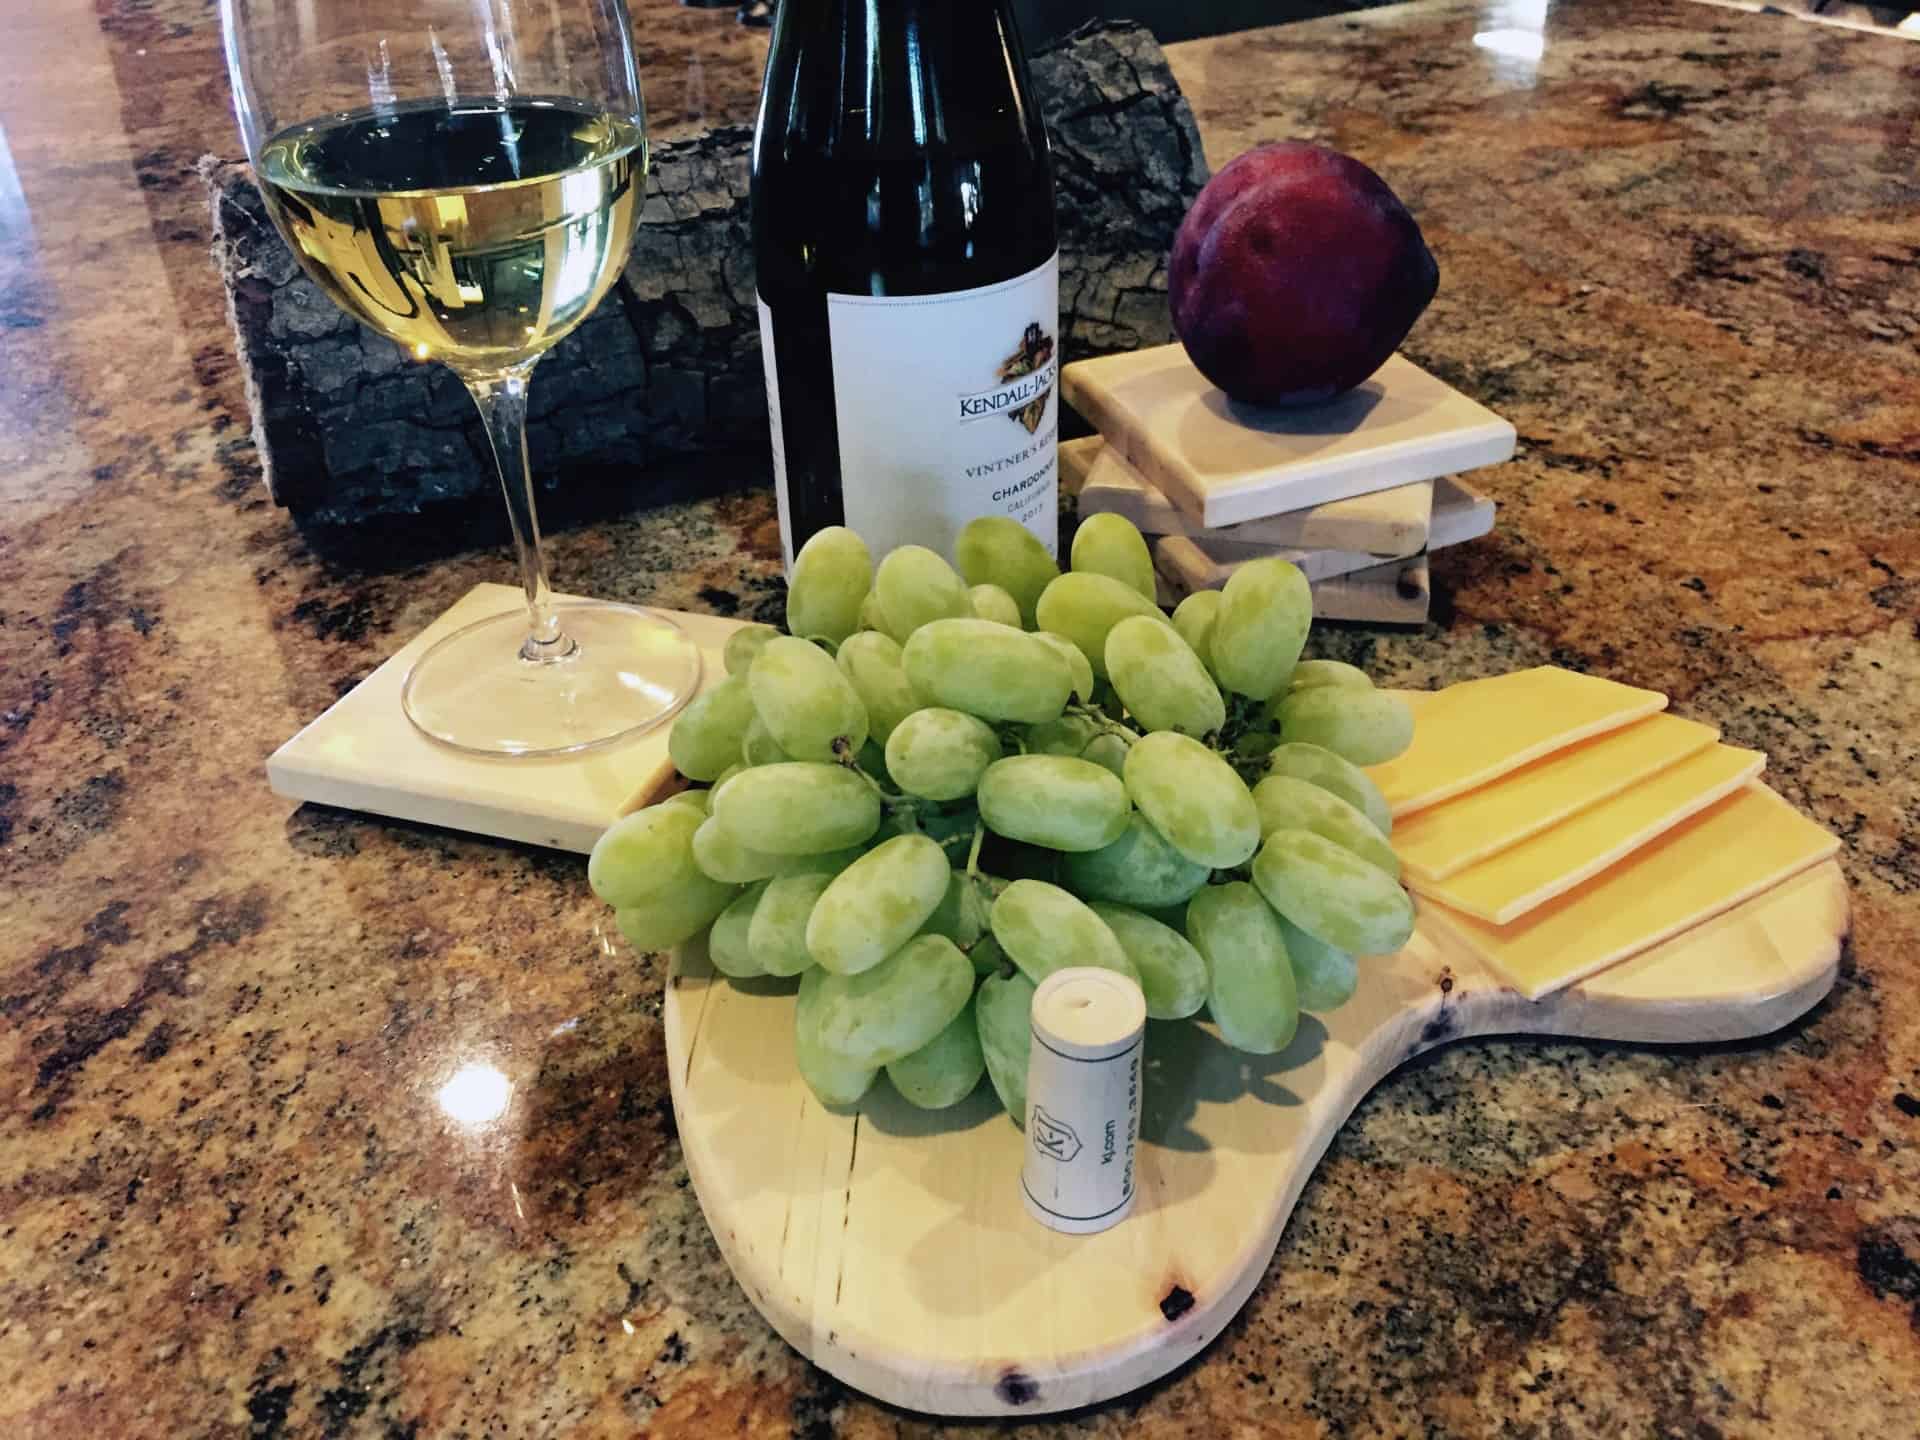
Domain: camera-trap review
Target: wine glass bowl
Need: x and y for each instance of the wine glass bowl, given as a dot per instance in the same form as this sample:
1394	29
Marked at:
464	177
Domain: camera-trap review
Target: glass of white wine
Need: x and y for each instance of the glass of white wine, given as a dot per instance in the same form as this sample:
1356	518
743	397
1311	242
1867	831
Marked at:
464	177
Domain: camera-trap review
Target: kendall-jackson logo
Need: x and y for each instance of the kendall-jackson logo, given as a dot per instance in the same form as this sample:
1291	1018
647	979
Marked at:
1026	381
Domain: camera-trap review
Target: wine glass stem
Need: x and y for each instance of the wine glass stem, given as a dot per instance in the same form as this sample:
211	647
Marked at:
502	399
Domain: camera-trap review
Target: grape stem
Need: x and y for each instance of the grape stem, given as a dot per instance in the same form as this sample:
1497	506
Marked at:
973	851
1102	722
895	805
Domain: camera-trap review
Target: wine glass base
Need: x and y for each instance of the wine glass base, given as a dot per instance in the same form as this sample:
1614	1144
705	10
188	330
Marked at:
630	670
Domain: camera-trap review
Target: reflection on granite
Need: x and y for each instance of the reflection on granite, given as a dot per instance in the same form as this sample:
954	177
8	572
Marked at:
318	1125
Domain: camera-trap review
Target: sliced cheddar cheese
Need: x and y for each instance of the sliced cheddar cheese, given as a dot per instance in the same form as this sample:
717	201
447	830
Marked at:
1700	868
1479	730
1506	886
1445	839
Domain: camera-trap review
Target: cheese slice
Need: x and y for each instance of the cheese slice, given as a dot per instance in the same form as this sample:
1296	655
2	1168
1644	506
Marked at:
1706	865
1479	730
1506	886
1445	839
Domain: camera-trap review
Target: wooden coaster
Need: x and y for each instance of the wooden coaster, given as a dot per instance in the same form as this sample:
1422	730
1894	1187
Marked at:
1223	463
364	754
1385	524
1203	562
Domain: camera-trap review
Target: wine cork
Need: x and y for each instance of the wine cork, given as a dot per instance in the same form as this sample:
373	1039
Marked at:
1083	1099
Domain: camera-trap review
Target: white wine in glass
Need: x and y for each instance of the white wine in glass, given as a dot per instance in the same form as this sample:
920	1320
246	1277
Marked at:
464	177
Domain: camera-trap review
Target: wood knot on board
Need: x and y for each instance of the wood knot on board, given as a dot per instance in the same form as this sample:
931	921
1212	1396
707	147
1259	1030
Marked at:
1015	1388
1441	1027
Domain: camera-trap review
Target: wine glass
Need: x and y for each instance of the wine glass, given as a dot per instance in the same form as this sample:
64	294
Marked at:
464	177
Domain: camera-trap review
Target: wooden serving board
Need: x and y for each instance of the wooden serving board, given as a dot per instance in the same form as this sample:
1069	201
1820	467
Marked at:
889	1245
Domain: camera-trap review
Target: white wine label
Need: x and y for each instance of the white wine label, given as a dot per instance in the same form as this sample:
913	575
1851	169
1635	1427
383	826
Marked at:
773	422
948	409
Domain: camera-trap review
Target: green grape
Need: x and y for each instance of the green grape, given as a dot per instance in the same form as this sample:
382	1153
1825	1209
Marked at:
759	747
706	736
691	797
1319	766
778	936
877	904
1109	545
916	586
805	701
961	915
941	754
1139	869
728	945
831	577
1310	673
797	808
872	617
873	665
1053	800
1173	976
643	866
1332	894
987	956
1076	662
943	1071
1324	977
996	550
1265	611
1082	607
990	602
722	857
675	917
834	1080
1285	803
645	855
743	644
1194	798
891	1009
987	670
721	779
1043	929
1003	1014
1109	752
1160	680
1250	990
1368	727
1194	618
1069	735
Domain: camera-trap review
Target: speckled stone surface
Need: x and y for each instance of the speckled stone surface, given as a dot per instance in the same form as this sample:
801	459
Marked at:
237	1198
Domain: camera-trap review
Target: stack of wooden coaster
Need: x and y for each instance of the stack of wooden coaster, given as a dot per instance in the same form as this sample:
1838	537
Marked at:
1357	493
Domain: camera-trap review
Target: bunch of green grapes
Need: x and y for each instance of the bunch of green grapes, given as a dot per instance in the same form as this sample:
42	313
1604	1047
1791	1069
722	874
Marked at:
943	785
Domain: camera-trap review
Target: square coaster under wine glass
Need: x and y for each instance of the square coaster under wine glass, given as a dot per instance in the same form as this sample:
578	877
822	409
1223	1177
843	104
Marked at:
1223	463
364	754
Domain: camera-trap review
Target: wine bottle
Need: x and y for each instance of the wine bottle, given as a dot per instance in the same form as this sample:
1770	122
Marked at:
908	273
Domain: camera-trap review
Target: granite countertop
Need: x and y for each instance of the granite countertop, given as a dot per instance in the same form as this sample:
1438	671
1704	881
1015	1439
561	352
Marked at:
237	1198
